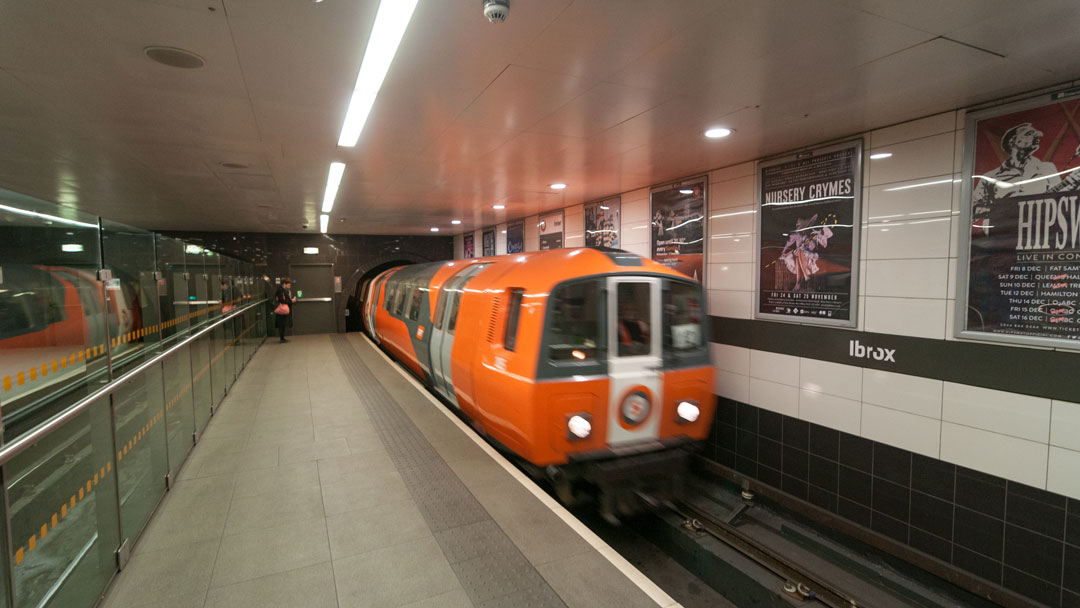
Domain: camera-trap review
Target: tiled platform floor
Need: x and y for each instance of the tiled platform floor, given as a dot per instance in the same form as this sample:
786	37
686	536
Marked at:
291	499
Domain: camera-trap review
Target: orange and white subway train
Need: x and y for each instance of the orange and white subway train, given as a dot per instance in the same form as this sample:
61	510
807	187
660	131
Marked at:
591	365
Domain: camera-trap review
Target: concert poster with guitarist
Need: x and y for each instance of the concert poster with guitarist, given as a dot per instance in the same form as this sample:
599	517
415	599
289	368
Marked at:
1024	243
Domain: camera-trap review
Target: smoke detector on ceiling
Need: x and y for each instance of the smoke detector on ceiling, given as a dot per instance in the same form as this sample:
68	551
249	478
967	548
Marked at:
174	57
496	10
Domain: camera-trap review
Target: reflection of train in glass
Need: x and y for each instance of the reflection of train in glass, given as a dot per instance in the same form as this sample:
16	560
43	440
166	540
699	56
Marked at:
52	325
591	365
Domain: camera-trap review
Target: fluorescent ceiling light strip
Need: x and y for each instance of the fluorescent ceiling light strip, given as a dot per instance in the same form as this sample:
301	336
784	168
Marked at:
324	221
44	216
390	24
332	182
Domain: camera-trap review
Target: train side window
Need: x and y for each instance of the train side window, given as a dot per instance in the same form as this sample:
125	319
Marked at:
440	306
399	302
388	297
414	306
513	311
452	322
682	318
574	334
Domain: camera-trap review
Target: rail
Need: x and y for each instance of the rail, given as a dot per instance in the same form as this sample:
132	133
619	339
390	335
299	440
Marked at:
32	437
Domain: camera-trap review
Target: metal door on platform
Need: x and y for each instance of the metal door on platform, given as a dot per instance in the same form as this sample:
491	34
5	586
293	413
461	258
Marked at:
313	287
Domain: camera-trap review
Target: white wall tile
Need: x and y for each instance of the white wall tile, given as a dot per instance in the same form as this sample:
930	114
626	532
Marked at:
732	248
735	277
923	197
908	278
902	430
500	239
1065	426
830	378
914	129
733	172
574	226
735	220
912	160
732	386
922	318
774	397
732	193
774	367
910	394
1020	416
634	210
532	234
1001	455
641	249
1063	476
459	246
831	411
635	232
925	238
734	304
735	359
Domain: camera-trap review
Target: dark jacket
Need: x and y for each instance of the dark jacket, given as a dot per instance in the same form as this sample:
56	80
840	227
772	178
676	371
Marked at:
283	297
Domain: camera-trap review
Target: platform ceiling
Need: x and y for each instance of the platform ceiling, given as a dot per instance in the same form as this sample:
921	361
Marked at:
605	95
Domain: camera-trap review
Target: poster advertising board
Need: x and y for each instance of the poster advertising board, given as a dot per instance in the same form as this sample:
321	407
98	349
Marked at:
1021	197
515	237
678	226
489	242
602	223
551	231
808	236
470	248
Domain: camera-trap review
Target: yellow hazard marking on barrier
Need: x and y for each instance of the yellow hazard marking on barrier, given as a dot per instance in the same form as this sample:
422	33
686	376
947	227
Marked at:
7	383
18	556
81	494
63	510
55	520
33	373
89	488
44	530
108	465
72	501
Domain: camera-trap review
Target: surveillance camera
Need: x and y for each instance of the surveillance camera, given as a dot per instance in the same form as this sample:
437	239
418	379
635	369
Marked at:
496	10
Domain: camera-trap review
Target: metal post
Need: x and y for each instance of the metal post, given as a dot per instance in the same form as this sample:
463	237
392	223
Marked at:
105	276
7	523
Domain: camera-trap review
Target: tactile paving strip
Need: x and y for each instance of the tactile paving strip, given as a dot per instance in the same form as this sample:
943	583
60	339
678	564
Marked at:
490	568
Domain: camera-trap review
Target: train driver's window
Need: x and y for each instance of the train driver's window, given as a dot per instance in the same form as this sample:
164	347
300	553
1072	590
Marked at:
414	306
388	298
513	310
575	329
399	303
452	322
633	311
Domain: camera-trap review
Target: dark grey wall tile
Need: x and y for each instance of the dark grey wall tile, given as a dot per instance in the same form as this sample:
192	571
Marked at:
796	487
978	532
771	425
770	476
934	477
770	453
1070	600
822	498
1033	553
853	511
1034	588
892	499
980	492
1071	574
747	417
894	529
797	433
856	452
796	463
727	411
746	444
931	514
824	473
977	564
726	457
931	544
746	466
824	442
1024	508
855	486
893	464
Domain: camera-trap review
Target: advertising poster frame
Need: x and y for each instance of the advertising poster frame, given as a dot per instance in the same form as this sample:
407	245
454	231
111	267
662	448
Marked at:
603	223
804	201
1021	179
515	237
488	242
468	246
673	240
551	230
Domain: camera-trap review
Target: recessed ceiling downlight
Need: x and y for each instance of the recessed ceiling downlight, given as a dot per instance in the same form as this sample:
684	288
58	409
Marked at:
174	57
718	132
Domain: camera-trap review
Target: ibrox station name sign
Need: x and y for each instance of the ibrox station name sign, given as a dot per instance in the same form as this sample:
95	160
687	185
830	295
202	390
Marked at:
871	352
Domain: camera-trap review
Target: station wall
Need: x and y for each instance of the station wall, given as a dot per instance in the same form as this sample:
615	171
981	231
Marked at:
964	450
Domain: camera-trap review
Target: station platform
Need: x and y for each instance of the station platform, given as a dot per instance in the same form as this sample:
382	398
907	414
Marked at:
328	477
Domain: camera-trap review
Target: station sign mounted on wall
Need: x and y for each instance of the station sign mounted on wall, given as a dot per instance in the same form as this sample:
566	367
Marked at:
551	230
808	236
1021	198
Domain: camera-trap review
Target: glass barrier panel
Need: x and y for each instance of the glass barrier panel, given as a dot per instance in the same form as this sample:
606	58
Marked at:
179	406
174	294
64	522
217	335
200	349
52	310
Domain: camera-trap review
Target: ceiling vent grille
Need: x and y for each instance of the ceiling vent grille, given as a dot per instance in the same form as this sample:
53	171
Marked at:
496	10
174	57
494	313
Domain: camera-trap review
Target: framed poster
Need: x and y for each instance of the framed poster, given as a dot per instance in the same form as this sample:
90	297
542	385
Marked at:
551	231
1020	262
602	223
678	226
470	249
489	242
808	236
515	237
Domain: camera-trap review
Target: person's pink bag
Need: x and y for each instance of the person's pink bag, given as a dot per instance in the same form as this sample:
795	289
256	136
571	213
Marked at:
282	309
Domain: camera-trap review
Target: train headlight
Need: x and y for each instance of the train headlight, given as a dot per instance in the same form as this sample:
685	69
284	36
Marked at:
578	426
687	411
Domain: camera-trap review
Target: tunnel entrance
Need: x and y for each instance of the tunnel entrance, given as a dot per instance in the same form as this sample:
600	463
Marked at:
355	320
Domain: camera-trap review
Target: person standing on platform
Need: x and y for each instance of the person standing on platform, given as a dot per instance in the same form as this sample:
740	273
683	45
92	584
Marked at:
283	302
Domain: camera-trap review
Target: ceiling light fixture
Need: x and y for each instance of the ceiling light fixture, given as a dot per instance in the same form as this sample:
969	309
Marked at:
558	186
455	222
390	23
717	132
434	228
324	222
880	155
498	207
332	182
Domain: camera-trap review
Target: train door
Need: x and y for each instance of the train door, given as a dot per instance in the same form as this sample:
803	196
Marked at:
442	328
635	358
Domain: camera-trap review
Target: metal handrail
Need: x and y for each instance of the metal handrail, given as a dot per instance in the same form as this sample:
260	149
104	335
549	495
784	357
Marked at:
46	428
